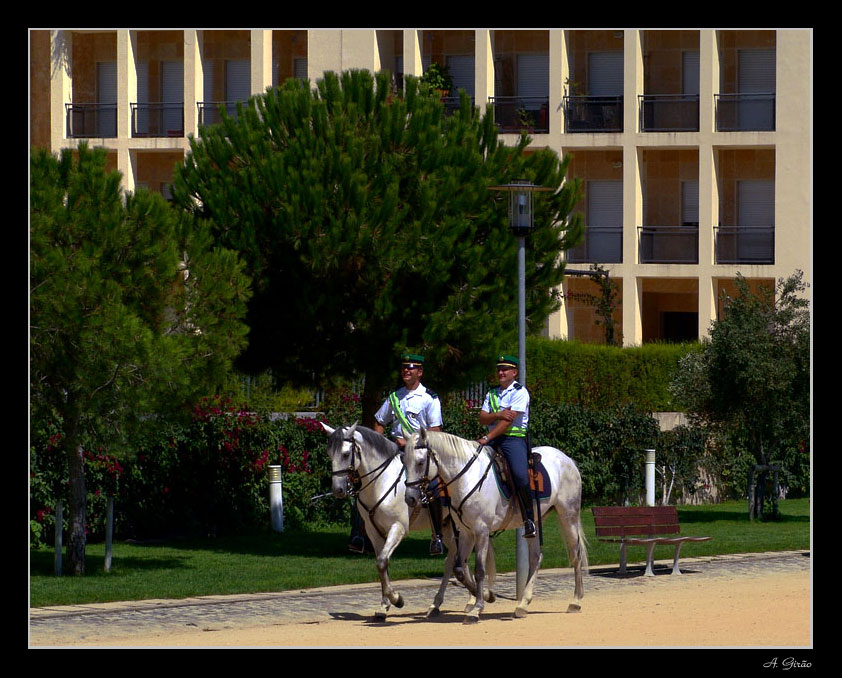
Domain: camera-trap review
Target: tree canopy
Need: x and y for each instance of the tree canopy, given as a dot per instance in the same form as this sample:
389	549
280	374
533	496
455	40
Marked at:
752	376
365	217
133	310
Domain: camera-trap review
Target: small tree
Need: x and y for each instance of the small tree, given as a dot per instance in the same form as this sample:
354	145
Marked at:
752	377
132	312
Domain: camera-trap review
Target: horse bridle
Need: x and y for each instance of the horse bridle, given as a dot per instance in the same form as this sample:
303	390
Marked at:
356	480
424	481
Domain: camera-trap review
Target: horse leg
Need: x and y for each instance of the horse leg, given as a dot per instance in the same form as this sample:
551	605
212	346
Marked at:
577	549
384	550
481	548
535	558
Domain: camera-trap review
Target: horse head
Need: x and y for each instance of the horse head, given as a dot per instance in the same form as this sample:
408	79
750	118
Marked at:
343	449
420	465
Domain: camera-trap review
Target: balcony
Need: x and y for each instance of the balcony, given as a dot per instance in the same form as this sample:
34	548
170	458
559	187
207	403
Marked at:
668	244
85	121
209	111
157	120
669	112
513	113
745	112
593	114
736	245
600	245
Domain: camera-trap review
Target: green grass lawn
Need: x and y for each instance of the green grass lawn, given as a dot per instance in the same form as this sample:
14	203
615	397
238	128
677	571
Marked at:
268	561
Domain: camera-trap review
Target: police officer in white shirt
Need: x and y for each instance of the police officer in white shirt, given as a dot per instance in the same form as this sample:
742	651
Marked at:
407	410
506	414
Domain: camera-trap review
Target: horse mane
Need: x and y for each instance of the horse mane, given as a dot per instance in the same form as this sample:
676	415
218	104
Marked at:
451	446
382	447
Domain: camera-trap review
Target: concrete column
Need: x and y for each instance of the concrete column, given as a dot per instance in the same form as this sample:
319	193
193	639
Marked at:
126	95
261	61
193	81
61	83
484	67
412	53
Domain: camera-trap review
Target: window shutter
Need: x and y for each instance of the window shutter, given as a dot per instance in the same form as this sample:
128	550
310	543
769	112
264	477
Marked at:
605	74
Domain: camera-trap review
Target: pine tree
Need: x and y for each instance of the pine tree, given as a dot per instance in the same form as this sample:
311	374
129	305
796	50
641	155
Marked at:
365	217
132	312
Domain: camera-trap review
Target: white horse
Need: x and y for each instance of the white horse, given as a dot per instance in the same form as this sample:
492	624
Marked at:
480	507
369	466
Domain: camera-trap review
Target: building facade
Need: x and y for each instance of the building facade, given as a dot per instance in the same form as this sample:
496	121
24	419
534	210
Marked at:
694	169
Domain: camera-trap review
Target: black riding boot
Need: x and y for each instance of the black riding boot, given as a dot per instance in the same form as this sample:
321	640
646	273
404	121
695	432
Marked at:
525	496
436	545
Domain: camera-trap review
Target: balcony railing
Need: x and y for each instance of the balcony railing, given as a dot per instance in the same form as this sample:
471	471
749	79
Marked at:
593	114
157	120
209	111
668	244
91	120
513	114
669	112
600	245
745	112
736	245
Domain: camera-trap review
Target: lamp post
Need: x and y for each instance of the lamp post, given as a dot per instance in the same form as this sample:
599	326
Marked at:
521	223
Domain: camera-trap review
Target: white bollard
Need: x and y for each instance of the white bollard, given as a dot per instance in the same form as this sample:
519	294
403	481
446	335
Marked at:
650	477
276	499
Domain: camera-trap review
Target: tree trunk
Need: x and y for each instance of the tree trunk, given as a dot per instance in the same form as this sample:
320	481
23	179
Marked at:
77	540
372	398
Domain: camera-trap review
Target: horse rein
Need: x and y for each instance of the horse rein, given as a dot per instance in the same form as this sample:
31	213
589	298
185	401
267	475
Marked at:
424	481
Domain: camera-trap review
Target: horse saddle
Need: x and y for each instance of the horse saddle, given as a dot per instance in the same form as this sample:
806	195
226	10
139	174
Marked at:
538	477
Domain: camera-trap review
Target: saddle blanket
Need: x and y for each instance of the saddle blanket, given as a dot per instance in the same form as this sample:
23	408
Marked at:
542	478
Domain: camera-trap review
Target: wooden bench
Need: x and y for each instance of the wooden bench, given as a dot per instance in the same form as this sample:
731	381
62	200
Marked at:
625	524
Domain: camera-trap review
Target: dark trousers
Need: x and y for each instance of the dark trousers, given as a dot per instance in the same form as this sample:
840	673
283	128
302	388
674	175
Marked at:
515	451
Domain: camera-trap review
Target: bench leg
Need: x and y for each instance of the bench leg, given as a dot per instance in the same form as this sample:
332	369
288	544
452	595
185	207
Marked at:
675	569
650	553
622	558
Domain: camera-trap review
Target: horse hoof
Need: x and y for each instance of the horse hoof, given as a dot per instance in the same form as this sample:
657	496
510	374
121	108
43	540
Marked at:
490	597
433	612
399	601
574	607
520	612
379	616
471	618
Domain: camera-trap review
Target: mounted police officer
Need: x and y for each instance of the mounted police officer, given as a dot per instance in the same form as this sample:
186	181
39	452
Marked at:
408	409
506	414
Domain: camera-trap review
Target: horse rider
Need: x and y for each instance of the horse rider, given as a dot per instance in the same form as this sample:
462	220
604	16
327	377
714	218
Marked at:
506	414
407	409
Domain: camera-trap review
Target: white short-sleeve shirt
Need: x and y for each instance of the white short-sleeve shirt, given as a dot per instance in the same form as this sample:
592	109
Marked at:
515	397
421	407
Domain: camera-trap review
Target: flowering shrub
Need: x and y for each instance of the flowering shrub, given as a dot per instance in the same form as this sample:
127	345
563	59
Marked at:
48	482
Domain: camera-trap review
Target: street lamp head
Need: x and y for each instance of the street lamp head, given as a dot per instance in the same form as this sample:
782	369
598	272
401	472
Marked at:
521	216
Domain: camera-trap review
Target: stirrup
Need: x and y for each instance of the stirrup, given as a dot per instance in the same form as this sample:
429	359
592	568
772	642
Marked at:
436	546
356	545
529	530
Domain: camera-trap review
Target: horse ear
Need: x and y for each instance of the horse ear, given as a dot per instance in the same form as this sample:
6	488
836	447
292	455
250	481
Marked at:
327	428
352	431
423	433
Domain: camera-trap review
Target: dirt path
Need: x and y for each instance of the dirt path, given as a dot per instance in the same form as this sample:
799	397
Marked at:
772	610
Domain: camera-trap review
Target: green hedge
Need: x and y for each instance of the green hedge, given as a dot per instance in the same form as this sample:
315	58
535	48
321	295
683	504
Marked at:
599	376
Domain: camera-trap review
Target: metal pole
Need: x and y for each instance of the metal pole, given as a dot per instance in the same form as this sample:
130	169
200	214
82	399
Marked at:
109	531
521	548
